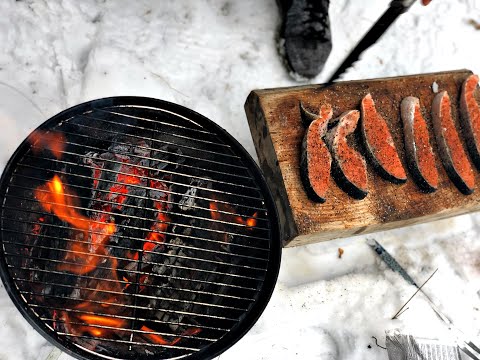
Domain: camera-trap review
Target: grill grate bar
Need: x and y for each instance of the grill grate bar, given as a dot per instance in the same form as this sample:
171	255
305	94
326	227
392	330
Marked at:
160	122
210	220
163	142
138	217
156	322
139	265
127	259
156	253
128	295
122	317
142	240
142	187
124	270
136	166
137	156
130	205
135	271
126	283
68	239
131	342
154	149
86	166
137	331
137	127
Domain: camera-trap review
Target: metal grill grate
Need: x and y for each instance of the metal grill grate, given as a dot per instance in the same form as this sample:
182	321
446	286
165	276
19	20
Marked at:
133	228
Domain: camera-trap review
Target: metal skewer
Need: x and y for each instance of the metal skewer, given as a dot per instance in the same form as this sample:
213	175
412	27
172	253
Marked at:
466	345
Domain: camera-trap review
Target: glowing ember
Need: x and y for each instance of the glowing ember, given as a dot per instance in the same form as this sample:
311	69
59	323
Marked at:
225	212
252	221
102	320
37	227
94	324
53	141
160	225
159	339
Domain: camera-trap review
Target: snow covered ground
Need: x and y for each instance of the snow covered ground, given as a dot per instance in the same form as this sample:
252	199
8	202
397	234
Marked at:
208	55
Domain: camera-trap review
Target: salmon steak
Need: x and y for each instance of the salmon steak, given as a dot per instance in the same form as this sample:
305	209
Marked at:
349	168
379	143
315	162
419	152
450	149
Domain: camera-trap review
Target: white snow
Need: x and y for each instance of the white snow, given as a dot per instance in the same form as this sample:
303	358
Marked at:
207	55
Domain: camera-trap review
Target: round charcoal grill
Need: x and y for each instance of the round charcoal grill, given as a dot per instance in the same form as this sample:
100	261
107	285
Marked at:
133	228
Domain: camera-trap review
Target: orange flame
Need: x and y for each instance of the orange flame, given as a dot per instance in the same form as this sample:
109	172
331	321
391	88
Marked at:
53	199
52	140
102	320
92	321
159	339
56	198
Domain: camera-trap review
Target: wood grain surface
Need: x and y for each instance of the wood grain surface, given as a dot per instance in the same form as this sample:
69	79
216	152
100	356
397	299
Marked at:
277	129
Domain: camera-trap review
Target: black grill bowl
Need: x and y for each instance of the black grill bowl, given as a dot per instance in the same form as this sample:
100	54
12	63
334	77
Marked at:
162	243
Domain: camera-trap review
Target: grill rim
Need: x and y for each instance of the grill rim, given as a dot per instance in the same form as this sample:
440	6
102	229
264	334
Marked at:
250	317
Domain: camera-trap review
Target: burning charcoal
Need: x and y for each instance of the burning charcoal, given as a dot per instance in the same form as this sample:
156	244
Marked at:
349	168
315	159
420	158
172	270
450	148
121	188
470	111
379	143
34	238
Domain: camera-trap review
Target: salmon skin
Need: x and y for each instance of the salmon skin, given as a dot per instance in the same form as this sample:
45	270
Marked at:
450	149
348	167
419	153
315	161
379	143
470	118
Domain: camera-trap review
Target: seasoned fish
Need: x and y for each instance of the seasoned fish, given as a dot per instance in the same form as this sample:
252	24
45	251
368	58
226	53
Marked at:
348	168
450	149
379	143
470	118
419	153
315	162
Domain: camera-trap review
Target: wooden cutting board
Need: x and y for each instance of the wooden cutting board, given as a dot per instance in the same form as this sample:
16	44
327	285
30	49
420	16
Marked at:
277	130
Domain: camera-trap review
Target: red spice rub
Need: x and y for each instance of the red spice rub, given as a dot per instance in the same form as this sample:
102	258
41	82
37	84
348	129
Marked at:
420	158
379	143
349	167
454	158
315	160
470	117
